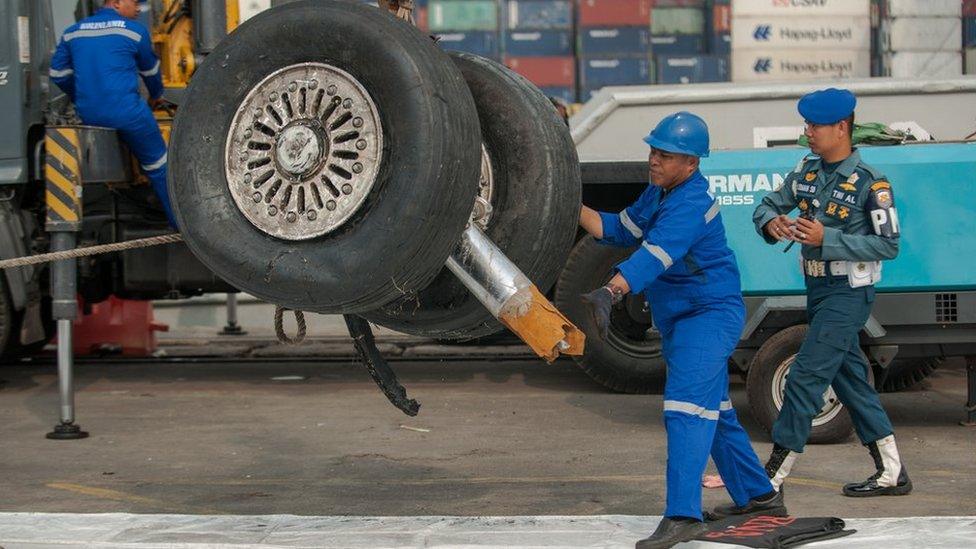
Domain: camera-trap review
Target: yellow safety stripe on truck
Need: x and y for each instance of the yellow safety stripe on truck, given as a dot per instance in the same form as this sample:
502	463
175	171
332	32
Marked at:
63	176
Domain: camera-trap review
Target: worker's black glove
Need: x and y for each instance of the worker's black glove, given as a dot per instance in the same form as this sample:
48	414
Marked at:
599	302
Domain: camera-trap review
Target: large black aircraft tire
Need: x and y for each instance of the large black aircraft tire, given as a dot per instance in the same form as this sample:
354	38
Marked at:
357	139
534	189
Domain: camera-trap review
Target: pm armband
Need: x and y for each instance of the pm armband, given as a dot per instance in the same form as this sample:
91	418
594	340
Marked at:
881	209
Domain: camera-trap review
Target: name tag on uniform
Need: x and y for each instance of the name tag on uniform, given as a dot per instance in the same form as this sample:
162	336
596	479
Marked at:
844	197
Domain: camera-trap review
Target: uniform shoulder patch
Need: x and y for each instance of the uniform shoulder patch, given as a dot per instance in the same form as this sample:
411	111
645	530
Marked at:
883	197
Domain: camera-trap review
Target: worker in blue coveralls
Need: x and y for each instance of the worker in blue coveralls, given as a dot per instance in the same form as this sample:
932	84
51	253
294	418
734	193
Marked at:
97	63
690	278
848	224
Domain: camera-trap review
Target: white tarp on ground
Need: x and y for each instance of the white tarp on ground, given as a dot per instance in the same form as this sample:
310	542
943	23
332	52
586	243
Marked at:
61	530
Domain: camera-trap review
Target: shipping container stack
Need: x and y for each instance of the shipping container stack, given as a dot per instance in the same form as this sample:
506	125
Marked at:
420	15
969	36
466	25
538	44
777	40
679	41
919	38
613	44
573	48
718	19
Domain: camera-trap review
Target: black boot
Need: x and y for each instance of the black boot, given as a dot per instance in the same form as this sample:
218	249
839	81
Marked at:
779	465
770	505
672	531
891	477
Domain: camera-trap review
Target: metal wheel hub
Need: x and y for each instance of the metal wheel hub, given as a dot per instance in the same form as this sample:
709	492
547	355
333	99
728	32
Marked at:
481	214
299	149
303	151
832	404
632	329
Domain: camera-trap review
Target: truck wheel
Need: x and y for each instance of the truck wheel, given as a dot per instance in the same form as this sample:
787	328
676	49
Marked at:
904	373
766	382
326	157
528	202
630	360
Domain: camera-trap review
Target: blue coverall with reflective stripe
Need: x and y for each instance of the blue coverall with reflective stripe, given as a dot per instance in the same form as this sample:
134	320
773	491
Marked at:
97	63
689	276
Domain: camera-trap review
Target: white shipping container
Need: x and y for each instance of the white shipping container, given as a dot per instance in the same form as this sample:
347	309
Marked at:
970	55
928	64
922	34
801	32
923	8
790	8
763	65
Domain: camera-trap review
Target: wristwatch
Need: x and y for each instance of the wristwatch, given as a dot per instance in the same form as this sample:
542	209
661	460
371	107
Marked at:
616	294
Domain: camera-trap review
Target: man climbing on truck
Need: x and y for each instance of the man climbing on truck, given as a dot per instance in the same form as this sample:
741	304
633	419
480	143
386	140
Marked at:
97	63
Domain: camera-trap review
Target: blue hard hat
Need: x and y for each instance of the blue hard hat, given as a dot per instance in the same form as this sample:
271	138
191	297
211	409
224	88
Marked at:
828	106
681	133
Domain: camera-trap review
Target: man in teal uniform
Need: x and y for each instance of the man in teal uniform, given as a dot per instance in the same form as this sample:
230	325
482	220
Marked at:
847	225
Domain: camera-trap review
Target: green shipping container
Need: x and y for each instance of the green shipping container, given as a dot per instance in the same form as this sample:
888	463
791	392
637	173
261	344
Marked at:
677	21
463	15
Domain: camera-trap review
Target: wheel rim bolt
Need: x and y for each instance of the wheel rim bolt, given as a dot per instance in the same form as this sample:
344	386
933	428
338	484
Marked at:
347	103
272	210
361	144
291	217
347	189
357	168
331	90
357	122
312	215
257	197
273	96
331	205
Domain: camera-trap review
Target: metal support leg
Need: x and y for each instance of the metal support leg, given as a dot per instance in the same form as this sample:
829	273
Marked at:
511	297
65	309
971	394
232	327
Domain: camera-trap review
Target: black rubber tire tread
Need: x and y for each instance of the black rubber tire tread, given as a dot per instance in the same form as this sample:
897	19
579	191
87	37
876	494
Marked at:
401	236
905	373
535	206
590	266
771	354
